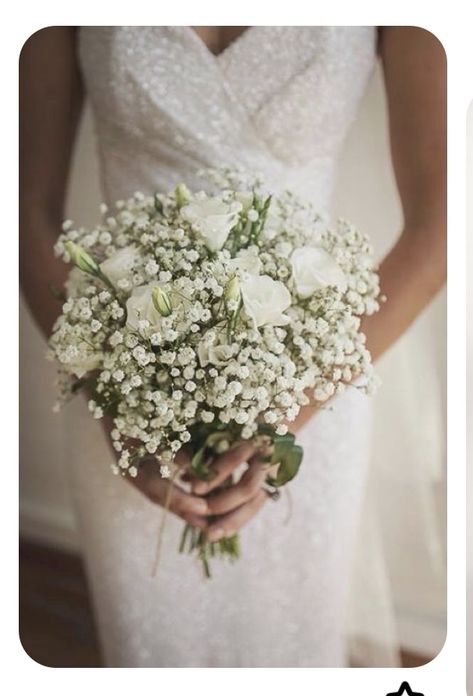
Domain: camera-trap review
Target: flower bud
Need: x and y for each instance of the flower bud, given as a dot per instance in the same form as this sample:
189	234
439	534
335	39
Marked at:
232	291
182	194
246	199
161	301
81	258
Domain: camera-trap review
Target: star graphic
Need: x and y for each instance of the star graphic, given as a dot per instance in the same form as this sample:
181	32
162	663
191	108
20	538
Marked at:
404	689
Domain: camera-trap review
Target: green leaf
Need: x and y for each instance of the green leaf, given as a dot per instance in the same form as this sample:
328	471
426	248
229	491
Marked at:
200	432
199	464
77	386
264	214
282	446
266	429
57	293
289	463
214	438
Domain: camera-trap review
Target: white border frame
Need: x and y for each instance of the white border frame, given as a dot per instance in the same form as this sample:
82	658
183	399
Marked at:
450	23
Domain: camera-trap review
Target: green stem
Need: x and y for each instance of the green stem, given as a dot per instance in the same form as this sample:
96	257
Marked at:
107	282
184	536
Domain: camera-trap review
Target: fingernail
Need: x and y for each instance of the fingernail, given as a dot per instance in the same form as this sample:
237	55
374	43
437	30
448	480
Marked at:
216	534
200	487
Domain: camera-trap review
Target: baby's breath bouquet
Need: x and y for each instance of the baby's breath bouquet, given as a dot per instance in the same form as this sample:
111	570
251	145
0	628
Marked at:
198	319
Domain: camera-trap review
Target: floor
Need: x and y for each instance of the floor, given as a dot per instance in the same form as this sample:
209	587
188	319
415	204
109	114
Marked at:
56	620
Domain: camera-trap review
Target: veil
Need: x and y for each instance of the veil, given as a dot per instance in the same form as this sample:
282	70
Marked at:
399	573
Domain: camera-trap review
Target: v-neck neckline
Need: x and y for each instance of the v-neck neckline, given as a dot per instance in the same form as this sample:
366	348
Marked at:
220	65
229	48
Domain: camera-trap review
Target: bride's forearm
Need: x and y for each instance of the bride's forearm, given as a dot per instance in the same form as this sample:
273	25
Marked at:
40	271
414	68
51	99
410	276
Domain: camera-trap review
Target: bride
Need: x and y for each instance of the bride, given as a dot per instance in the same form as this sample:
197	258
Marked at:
277	100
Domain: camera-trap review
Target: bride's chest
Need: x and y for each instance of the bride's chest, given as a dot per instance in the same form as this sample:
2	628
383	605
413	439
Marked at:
297	83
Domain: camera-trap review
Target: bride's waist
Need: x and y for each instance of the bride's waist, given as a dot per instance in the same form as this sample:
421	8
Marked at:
163	167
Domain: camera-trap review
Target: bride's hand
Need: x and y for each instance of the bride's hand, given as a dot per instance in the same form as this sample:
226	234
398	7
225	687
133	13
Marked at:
232	508
191	508
237	504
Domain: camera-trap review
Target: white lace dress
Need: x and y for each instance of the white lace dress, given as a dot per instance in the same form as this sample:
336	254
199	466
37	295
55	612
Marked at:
278	100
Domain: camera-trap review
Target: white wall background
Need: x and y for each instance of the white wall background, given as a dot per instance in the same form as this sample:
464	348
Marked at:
408	459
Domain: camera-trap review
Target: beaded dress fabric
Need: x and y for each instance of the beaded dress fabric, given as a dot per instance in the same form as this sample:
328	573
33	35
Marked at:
278	101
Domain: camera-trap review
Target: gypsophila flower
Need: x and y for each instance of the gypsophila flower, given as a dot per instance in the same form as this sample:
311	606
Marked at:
201	318
115	339
165	471
207	416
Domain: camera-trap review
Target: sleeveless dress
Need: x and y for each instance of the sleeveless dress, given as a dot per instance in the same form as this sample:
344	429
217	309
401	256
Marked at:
278	100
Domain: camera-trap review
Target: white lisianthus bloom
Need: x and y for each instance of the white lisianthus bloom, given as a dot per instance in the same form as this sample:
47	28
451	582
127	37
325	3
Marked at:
140	307
213	349
265	300
313	268
247	260
120	264
213	219
246	199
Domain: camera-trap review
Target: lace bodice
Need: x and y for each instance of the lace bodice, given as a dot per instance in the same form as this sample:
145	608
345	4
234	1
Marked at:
278	100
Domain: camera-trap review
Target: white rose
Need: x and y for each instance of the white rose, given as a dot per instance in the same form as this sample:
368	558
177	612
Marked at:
120	264
213	219
140	306
214	351
265	300
247	261
313	268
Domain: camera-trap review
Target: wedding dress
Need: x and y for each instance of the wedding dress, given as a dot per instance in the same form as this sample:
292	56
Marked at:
279	101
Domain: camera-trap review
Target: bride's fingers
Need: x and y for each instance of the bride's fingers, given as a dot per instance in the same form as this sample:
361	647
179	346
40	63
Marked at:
196	521
181	458
164	492
224	465
180	502
232	522
246	488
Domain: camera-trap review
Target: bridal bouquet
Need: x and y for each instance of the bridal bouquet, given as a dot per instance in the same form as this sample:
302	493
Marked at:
196	320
